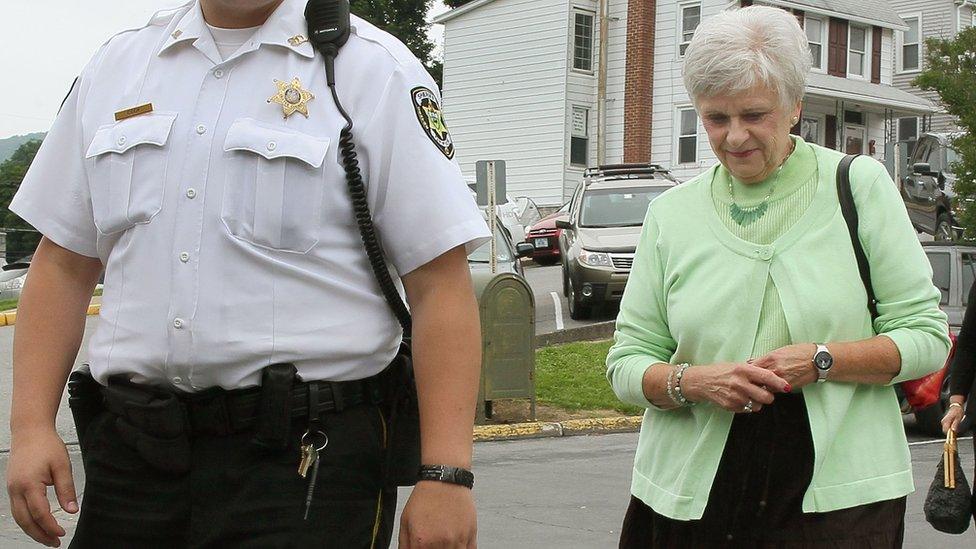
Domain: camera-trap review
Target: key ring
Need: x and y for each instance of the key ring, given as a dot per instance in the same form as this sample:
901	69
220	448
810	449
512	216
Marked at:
325	439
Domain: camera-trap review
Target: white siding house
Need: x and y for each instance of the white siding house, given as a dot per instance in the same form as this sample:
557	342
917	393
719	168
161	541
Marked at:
925	19
854	112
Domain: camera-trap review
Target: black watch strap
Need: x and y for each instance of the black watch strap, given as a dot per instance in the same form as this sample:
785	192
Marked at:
448	474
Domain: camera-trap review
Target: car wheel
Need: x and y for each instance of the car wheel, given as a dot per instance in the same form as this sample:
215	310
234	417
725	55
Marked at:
565	281
577	310
547	261
943	230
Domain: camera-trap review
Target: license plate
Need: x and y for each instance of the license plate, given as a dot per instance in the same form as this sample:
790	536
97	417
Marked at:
541	242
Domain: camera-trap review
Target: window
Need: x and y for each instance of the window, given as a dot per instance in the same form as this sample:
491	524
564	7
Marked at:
908	128
816	29
940	274
968	275
690	17
857	59
910	45
687	136
854	137
583	42
811	129
580	140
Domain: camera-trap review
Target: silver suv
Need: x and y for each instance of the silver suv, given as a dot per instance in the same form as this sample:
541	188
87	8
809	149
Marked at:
598	240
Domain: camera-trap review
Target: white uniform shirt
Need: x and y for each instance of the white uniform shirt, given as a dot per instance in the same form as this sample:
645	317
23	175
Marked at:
226	229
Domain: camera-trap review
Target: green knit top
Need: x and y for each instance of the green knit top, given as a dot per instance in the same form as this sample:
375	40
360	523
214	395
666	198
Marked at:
793	189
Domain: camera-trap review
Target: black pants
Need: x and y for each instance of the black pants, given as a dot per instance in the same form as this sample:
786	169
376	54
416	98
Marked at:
238	495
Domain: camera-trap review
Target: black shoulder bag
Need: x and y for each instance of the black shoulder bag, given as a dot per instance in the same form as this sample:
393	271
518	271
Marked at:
948	507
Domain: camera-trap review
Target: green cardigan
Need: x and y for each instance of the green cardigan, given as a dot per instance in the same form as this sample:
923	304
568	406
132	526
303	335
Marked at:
695	295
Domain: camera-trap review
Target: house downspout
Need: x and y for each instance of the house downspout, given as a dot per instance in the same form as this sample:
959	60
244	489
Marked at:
601	86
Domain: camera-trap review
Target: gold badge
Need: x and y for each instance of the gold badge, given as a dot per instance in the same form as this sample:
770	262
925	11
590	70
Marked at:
134	111
292	97
297	40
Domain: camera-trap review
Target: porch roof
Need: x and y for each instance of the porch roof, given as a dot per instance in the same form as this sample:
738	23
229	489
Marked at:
874	95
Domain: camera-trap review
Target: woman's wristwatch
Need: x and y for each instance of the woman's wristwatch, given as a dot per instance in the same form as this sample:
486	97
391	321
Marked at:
448	474
823	361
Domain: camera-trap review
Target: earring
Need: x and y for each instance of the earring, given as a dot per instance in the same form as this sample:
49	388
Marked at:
795	120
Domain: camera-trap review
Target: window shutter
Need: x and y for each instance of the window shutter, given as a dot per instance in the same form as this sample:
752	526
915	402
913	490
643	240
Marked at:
799	14
830	132
876	55
837	48
745	3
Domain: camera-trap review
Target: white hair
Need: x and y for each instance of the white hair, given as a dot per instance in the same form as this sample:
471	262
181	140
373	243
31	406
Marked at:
740	49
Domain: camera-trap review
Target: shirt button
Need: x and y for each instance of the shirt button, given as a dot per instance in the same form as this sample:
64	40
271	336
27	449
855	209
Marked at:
191	193
201	129
121	140
184	257
272	145
218	73
177	380
178	323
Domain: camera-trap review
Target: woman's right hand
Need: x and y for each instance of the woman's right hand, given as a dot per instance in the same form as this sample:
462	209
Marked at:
952	417
732	386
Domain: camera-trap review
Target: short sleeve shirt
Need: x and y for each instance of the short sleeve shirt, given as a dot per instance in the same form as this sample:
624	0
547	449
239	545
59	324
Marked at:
221	213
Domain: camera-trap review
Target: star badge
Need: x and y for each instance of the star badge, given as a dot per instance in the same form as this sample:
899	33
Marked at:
292	97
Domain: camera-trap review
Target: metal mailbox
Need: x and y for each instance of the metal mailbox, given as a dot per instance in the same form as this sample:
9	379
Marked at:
507	309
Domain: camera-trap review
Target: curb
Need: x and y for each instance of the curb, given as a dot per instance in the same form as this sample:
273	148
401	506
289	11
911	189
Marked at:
9	318
590	332
543	429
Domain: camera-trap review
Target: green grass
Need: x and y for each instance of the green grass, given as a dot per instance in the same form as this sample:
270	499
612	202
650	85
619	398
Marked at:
574	377
6	304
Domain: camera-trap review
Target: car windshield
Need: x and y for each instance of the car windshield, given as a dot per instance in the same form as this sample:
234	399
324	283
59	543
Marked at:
503	253
616	207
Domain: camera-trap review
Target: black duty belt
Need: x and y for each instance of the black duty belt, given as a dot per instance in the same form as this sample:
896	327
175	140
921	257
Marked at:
222	412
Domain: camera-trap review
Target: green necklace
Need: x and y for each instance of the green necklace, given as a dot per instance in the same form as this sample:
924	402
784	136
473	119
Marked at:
748	216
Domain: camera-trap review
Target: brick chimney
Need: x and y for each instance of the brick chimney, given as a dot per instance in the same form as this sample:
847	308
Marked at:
639	85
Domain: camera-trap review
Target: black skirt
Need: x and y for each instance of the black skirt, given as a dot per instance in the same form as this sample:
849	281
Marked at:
757	496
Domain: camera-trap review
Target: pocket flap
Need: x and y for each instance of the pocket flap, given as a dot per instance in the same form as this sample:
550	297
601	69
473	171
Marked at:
275	142
145	129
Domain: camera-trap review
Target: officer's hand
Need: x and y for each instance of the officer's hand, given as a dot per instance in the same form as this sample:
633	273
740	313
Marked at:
39	459
439	515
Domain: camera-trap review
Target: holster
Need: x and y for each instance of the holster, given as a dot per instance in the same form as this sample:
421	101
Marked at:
84	400
403	413
152	422
274	409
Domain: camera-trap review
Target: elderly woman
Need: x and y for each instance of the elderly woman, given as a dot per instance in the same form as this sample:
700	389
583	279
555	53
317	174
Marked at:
744	330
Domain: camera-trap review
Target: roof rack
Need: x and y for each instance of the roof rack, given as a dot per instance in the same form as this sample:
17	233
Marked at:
606	170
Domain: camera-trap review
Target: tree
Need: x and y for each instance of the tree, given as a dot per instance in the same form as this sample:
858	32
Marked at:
405	19
456	3
22	239
951	72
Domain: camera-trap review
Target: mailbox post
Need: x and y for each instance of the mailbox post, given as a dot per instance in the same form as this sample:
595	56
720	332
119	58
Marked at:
507	310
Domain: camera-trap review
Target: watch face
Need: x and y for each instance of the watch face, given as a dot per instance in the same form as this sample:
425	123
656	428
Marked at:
823	360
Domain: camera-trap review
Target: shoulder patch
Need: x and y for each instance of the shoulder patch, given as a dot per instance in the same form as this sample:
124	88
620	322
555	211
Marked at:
431	119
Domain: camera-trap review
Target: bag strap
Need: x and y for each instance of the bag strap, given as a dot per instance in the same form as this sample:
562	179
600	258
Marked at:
849	210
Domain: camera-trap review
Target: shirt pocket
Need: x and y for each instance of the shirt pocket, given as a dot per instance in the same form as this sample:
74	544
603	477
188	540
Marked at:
129	170
274	186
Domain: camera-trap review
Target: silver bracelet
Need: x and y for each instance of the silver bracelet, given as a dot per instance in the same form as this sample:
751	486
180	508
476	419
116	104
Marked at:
670	386
679	373
951	404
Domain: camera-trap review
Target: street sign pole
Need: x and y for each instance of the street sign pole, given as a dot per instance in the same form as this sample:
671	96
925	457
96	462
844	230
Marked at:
492	262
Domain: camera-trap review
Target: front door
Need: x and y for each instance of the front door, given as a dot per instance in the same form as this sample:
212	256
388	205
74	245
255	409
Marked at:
854	138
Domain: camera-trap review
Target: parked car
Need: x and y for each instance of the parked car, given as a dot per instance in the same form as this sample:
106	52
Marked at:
953	273
12	278
507	254
544	237
600	237
928	189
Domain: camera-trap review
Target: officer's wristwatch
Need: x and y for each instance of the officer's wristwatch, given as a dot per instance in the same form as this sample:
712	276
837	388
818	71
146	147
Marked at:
448	474
823	361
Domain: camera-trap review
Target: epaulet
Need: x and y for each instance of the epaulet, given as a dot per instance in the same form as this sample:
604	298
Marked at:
393	46
163	17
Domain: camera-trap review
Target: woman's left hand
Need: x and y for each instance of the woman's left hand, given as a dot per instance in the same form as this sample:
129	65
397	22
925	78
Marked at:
794	363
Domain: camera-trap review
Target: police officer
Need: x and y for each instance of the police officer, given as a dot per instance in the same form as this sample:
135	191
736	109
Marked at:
197	161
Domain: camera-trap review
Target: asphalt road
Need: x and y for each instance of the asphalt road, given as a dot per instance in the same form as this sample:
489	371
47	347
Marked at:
546	281
572	493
